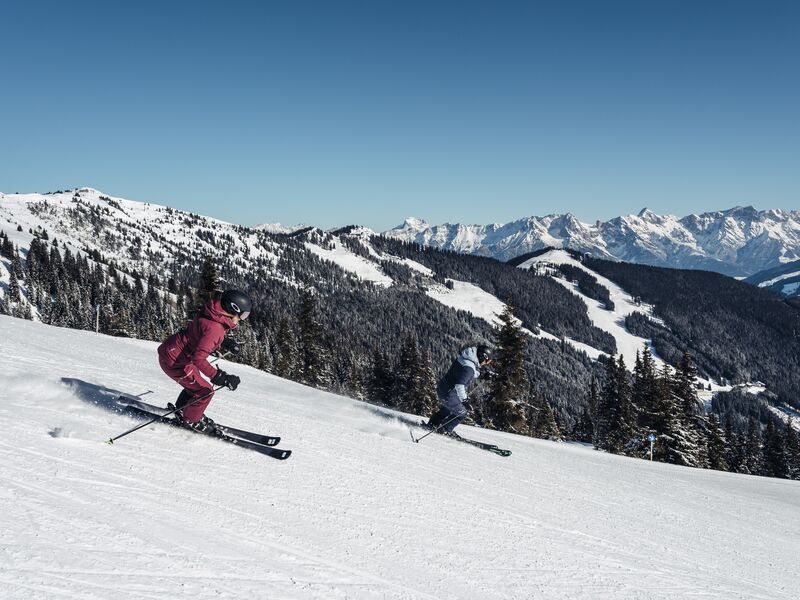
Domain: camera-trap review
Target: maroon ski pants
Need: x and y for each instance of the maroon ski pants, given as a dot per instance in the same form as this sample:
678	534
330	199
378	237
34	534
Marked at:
192	381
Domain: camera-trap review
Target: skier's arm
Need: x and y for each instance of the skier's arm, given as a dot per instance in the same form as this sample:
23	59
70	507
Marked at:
200	360
207	344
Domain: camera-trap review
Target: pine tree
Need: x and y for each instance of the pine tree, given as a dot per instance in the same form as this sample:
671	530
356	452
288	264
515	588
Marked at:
774	452
510	387
209	279
409	392
594	411
355	378
644	393
669	446
427	382
380	382
314	362
286	351
584	427
624	429
13	288
251	350
684	433
717	444
605	406
752	447
543	423
792	451
614	427
16	266
6	247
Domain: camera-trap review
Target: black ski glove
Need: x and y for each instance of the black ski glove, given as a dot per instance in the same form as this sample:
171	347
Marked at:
488	375
229	381
231	345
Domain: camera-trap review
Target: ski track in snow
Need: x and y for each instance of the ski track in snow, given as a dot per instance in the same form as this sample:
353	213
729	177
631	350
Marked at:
357	512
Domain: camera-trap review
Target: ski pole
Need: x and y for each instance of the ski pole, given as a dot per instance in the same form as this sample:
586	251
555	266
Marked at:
166	414
438	428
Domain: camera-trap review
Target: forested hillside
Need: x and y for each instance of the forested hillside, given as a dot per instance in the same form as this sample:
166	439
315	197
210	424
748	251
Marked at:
732	330
316	322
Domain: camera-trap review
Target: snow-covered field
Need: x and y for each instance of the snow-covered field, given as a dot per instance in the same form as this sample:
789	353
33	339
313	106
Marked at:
362	268
612	322
358	511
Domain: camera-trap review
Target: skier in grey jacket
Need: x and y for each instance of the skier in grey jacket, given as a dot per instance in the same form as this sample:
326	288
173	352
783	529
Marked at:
452	388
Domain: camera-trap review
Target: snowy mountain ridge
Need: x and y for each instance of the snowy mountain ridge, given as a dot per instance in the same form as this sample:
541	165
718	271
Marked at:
737	242
130	231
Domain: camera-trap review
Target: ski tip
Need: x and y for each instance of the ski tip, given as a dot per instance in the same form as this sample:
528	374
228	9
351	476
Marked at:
110	441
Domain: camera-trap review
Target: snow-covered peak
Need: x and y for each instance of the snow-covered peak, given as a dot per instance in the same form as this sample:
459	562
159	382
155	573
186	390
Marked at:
357	231
738	241
413	224
278	228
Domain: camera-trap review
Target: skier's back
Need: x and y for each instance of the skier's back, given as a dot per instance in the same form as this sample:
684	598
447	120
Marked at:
452	387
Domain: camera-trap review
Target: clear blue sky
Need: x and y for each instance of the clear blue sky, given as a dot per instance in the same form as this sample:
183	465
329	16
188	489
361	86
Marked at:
338	112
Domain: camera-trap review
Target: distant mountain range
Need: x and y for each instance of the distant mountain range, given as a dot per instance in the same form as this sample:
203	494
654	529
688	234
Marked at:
738	242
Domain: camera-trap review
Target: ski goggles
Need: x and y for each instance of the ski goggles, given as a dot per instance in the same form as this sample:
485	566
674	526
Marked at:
244	315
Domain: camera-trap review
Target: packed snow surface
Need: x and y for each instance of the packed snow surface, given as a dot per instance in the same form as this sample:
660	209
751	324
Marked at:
358	511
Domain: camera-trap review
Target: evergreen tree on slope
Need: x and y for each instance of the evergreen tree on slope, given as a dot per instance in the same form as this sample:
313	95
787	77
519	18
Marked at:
510	387
717	444
792	451
774	452
614	420
380	381
314	361
688	437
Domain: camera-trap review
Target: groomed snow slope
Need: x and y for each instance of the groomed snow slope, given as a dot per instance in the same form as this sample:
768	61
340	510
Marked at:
357	512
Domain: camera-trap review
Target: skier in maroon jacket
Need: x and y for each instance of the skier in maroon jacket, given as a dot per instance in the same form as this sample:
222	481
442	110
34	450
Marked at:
184	356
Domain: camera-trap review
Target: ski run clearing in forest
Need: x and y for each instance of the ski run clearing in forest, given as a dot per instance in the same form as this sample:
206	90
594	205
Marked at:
359	511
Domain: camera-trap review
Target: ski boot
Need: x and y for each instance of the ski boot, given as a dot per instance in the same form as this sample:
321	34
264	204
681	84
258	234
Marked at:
205	425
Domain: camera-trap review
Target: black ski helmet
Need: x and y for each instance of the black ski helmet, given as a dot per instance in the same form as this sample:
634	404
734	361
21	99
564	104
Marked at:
236	302
484	353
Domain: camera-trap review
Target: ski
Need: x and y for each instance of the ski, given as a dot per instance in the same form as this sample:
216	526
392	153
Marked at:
277	453
477	444
481	445
258	438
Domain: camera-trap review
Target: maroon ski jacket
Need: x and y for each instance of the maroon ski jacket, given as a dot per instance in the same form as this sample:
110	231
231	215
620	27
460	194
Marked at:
189	349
